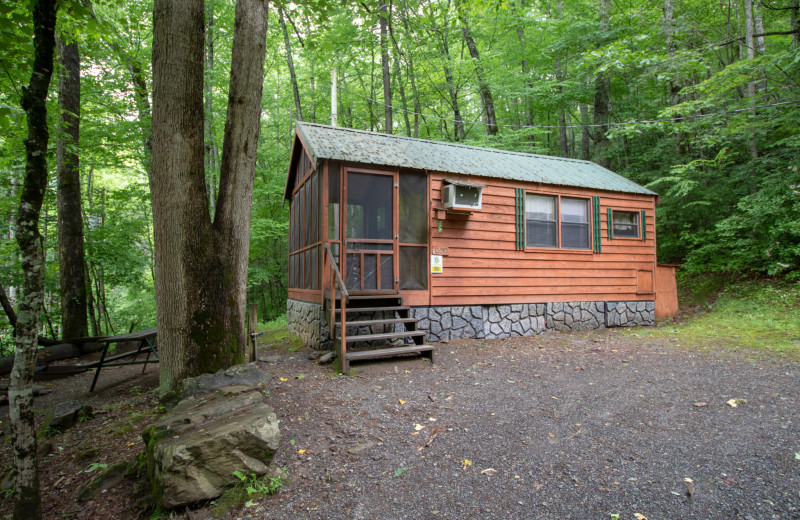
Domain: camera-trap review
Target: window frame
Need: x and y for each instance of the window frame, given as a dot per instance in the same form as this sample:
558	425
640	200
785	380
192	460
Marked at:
557	197
637	222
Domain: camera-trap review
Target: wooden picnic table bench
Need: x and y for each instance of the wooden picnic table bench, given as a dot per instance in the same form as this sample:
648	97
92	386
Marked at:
147	344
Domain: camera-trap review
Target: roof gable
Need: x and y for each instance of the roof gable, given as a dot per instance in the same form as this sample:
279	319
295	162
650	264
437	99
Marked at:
346	144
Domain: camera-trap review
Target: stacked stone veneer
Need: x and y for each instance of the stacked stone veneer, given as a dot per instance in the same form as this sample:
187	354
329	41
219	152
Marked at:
503	321
485	321
307	321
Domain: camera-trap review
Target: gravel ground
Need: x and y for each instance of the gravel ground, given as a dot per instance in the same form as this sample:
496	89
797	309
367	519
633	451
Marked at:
565	425
586	425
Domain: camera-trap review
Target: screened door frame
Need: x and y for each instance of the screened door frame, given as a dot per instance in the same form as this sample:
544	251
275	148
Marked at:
344	250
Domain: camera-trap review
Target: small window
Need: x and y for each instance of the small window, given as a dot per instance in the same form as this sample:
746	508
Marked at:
575	223
626	223
540	221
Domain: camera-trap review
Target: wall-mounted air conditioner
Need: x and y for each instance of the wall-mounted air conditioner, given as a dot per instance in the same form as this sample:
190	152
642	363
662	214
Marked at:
462	195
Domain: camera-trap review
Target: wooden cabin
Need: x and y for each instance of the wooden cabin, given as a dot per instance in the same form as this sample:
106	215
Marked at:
423	241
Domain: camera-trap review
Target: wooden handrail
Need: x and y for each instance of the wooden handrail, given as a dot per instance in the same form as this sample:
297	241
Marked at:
339	279
334	269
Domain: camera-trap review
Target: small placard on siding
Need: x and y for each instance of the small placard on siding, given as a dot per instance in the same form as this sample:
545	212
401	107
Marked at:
436	263
440	251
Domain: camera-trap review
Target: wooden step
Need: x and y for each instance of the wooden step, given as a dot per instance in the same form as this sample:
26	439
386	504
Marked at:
389	352
374	309
385	335
387	321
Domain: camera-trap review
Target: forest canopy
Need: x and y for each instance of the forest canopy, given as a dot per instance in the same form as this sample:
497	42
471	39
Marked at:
697	100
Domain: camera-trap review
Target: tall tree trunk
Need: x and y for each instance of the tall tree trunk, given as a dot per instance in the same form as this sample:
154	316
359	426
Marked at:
750	49
74	322
526	99
290	61
27	496
201	266
796	23
398	76
483	85
669	32
601	101
387	80
586	152
410	60
562	113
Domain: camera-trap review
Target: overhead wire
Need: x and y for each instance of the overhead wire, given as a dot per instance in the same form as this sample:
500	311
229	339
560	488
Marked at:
593	125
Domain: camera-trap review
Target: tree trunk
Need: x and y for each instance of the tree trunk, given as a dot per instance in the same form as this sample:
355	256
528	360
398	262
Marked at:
74	322
669	30
387	81
562	113
483	86
398	77
601	101
290	62
27	497
200	266
796	23
586	153
410	61
750	49
526	99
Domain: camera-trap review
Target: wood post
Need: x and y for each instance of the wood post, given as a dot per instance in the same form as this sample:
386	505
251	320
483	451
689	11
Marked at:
252	327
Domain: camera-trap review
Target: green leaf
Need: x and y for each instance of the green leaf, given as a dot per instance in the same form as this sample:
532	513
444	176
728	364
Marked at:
398	472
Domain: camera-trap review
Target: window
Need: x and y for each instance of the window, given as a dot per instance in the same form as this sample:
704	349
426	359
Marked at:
550	217
575	223
540	221
625	223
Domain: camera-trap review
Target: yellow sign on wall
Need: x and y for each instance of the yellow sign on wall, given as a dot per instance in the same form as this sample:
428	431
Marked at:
436	263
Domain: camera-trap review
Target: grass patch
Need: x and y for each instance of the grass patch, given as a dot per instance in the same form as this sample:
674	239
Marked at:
755	315
276	334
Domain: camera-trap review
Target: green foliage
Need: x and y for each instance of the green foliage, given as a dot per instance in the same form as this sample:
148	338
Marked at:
248	488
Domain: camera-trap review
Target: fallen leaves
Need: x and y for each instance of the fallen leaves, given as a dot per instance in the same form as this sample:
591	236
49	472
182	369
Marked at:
398	472
639	516
401	401
700	404
489	472
466	463
733	403
283	379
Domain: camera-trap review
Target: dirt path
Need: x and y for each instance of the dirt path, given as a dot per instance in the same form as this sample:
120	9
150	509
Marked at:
564	425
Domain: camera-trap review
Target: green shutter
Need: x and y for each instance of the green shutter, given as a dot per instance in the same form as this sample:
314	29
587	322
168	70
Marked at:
519	200
596	223
644	225
610	223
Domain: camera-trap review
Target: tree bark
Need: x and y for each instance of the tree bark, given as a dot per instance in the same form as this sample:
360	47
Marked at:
201	266
483	85
796	23
27	496
290	61
526	99
74	321
586	153
562	113
387	81
750	50
601	102
410	61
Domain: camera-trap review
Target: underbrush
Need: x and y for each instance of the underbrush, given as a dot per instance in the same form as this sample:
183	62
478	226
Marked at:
759	315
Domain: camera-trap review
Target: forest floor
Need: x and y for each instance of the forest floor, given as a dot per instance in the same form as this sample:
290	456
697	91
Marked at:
601	424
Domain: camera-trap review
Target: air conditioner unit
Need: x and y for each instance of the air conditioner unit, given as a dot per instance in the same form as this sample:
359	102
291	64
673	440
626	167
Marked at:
458	196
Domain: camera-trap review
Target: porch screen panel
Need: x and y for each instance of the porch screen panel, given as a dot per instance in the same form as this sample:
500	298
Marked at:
413	268
413	213
413	224
333	201
369	206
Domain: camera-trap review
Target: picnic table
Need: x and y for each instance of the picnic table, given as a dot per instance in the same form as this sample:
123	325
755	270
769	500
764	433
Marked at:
147	345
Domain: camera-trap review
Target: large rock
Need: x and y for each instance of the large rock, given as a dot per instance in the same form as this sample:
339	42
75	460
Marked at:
193	452
238	375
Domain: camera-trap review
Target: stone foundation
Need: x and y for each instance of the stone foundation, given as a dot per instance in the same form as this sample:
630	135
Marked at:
307	321
483	321
503	321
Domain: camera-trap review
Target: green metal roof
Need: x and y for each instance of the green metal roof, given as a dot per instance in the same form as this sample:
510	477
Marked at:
346	144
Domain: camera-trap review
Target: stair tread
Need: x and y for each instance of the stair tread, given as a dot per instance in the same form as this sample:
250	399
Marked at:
388	352
375	309
377	322
384	335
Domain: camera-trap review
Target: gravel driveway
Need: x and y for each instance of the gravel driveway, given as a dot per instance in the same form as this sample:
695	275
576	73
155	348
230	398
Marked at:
565	425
